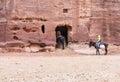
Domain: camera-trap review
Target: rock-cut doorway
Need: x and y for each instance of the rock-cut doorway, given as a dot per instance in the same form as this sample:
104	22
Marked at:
64	32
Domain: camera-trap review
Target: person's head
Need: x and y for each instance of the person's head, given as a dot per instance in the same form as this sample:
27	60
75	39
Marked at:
98	36
58	33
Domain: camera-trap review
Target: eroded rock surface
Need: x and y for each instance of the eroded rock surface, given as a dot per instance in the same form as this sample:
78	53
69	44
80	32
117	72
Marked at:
78	20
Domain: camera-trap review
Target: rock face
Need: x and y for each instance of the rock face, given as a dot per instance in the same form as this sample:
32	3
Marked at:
105	20
78	20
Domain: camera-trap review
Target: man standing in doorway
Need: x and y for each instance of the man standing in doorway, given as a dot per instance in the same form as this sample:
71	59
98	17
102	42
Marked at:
60	39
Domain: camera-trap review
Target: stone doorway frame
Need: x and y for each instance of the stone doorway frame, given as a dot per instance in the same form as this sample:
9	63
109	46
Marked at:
65	31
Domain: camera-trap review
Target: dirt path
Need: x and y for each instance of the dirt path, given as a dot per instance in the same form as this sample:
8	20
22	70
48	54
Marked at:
84	49
60	66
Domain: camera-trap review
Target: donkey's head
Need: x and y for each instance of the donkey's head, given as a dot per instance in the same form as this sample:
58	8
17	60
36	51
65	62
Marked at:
91	43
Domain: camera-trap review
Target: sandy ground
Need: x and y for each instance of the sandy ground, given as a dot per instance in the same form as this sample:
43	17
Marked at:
77	63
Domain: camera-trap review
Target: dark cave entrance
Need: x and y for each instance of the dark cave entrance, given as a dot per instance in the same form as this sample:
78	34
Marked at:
64	32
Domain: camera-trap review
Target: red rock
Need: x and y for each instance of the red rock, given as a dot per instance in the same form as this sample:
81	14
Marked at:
80	20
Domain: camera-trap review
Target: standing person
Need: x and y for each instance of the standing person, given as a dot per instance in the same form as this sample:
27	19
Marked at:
60	39
99	40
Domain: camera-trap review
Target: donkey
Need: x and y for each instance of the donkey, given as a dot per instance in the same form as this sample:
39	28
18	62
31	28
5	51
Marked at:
102	46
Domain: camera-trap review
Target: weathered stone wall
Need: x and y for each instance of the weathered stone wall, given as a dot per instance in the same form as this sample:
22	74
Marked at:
27	17
3	20
84	14
23	20
105	20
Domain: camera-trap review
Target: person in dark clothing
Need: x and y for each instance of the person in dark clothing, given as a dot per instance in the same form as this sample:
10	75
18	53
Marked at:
60	39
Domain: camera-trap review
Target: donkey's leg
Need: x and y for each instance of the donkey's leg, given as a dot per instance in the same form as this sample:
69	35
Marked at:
106	51
63	46
97	51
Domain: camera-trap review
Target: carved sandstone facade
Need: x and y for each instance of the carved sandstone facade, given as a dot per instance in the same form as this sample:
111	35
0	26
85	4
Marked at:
78	20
